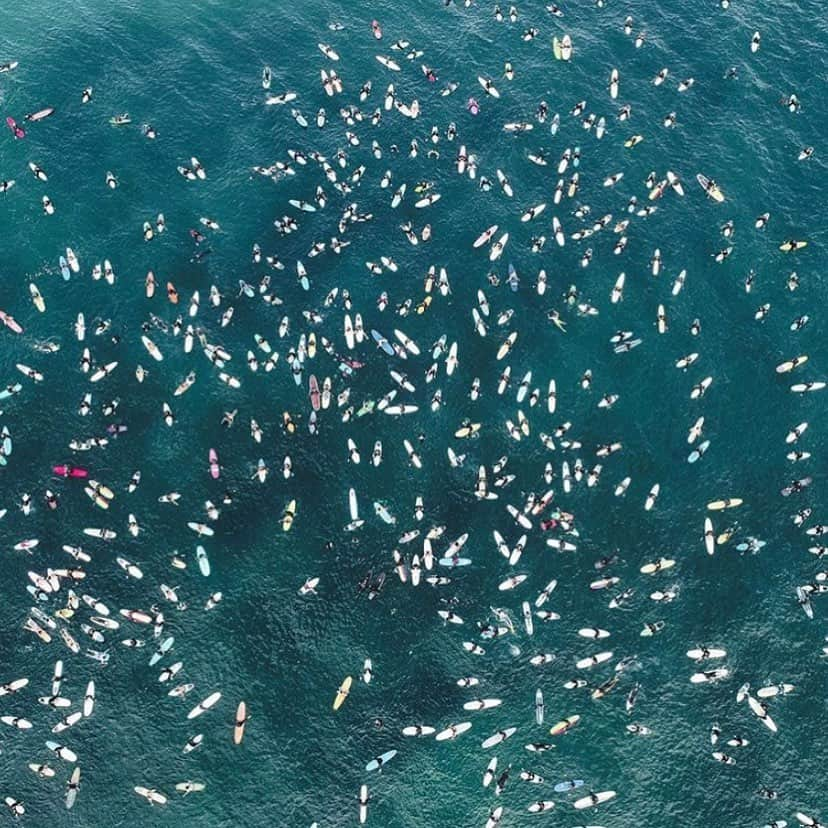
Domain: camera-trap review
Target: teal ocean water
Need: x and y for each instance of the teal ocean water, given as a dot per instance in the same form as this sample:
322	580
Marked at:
193	71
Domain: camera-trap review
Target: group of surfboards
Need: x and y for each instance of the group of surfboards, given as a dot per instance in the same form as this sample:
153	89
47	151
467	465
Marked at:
424	365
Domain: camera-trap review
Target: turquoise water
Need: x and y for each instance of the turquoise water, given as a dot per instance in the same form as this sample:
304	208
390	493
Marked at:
194	73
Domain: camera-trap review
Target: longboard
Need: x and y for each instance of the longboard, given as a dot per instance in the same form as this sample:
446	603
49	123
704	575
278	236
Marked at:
342	693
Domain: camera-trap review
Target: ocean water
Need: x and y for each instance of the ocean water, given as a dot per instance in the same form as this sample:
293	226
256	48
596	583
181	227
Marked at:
193	71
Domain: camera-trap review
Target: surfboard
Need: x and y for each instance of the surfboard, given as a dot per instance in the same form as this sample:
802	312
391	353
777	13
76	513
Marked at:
709	536
710	187
72	788
568	785
103	534
593	632
382	342
556	48
482	239
759	710
342	693
381	510
388	63
774	690
204	706
482	704
564	725
20	724
467	430
62	752
727	503
613	86
203	561
418	730
658	566
593	799
507	345
89	700
453	731
37	297
313	393
353	506
497	738
381	760
241	720
100	488
591	661
698	653
151	795
13	686
152	348
212	457
709	676
785	367
495	815
136	616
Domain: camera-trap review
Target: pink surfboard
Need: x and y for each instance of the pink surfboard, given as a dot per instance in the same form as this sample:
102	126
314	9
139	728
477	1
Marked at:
18	131
10	322
70	471
314	393
215	471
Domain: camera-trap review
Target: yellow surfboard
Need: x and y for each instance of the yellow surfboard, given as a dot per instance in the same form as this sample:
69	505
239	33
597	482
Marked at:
342	693
564	725
556	48
728	503
467	430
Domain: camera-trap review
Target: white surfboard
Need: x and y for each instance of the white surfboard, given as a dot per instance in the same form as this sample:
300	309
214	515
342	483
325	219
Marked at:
497	738
593	799
203	561
204	706
482	704
700	653
591	661
89	700
453	731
